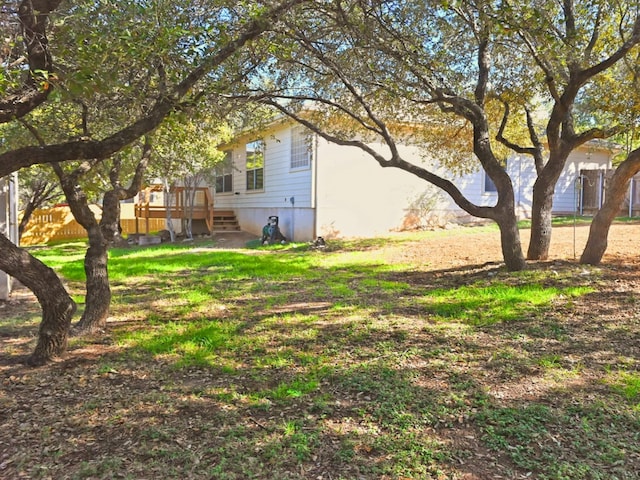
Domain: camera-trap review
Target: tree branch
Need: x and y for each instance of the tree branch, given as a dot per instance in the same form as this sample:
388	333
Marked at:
33	16
100	149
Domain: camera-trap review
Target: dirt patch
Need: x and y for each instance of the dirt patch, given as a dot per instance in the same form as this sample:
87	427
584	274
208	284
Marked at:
233	239
471	248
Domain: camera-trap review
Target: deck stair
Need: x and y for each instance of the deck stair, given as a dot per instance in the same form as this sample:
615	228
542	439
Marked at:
225	221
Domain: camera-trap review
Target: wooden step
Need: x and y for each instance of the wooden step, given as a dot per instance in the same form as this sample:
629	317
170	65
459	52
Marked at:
225	221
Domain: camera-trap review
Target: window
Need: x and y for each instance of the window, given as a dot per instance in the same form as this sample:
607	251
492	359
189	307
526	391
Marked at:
255	165
224	174
489	186
300	148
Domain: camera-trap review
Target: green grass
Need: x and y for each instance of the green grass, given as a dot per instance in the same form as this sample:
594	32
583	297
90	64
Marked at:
290	363
487	304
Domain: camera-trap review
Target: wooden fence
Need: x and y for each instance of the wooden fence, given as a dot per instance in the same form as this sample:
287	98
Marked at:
53	224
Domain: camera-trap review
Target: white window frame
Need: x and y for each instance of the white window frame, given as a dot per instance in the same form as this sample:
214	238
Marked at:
255	175
224	170
300	158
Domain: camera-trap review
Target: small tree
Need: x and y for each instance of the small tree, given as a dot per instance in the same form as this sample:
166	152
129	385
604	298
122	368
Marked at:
186	154
38	189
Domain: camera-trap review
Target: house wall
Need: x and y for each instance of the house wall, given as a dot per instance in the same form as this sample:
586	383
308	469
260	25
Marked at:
346	193
566	197
358	197
522	171
281	184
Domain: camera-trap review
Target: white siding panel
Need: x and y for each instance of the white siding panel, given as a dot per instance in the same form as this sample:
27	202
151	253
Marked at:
280	182
281	185
358	197
565	198
352	195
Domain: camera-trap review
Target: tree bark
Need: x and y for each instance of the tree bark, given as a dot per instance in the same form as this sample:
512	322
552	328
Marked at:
98	292
510	242
98	295
101	236
33	16
57	306
541	217
615	193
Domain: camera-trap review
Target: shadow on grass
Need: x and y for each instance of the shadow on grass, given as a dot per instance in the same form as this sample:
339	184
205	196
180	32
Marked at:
269	365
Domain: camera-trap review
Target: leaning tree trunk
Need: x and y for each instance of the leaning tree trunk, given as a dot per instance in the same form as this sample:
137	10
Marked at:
615	194
26	216
57	306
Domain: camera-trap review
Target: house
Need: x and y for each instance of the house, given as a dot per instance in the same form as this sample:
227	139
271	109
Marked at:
8	222
317	188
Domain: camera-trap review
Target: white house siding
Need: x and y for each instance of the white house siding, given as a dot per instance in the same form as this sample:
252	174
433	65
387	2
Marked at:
358	197
346	193
567	190
522	171
281	184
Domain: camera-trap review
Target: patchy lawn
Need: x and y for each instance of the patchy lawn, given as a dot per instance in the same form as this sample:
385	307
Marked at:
415	356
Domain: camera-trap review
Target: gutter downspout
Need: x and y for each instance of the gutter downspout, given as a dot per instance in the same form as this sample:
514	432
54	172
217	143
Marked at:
314	184
631	193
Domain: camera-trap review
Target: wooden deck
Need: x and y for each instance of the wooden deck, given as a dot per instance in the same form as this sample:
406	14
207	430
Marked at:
215	220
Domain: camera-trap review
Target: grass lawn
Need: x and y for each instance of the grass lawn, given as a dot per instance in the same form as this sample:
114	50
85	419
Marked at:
294	363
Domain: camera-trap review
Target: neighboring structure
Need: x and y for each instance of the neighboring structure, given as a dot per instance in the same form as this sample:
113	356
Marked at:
317	188
8	222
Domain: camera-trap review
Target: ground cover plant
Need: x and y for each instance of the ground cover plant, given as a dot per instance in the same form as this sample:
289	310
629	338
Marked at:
370	359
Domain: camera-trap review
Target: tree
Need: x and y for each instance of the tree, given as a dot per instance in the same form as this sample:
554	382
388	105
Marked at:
20	93
625	112
185	152
102	233
376	71
227	30
37	190
615	193
571	45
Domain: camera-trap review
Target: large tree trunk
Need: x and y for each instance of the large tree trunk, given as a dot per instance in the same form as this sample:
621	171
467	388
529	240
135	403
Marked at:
57	306
510	242
98	297
96	260
616	191
541	216
542	207
98	292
